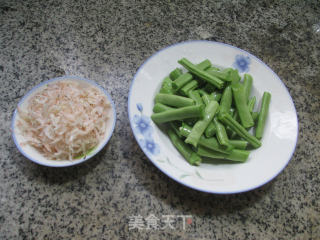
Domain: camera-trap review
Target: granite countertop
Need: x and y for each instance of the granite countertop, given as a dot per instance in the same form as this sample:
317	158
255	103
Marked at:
107	41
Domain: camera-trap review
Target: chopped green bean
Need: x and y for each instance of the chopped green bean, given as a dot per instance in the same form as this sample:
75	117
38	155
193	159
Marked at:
241	105
239	144
175	74
188	87
173	100
232	133
240	130
178	114
234	76
201	73
251	104
263	114
224	76
185	78
159	107
166	86
201	125
181	81
186	151
247	85
226	100
211	130
204	64
221	133
206	98
194	94
235	154
211	143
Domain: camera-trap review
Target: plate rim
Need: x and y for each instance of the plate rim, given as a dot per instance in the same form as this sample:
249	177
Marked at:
181	181
32	90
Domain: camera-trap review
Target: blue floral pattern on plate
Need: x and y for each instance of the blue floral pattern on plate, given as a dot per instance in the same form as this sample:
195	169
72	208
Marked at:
143	127
150	145
242	63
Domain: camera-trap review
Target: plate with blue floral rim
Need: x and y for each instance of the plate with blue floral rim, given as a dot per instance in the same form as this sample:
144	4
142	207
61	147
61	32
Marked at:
264	163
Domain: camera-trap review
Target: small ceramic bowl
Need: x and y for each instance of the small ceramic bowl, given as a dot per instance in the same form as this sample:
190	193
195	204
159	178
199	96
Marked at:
32	154
264	163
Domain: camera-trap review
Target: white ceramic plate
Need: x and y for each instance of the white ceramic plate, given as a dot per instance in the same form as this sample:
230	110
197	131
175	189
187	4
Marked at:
264	164
32	154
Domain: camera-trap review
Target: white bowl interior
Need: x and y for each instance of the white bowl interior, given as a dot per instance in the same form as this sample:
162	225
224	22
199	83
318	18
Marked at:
264	164
34	155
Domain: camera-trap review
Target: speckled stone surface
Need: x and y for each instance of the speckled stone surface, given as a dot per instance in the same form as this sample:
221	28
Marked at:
107	41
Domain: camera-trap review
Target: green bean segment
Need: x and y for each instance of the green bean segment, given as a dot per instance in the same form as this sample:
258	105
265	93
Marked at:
247	84
194	94
263	114
204	65
239	144
166	86
185	150
175	74
235	154
159	107
226	100
251	104
201	73
211	130
202	124
181	81
240	130
211	143
224	76
188	87
234	77
241	105
178	114
221	133
206	98
173	100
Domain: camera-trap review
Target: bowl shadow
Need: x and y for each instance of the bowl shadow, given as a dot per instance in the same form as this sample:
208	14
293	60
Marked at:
60	175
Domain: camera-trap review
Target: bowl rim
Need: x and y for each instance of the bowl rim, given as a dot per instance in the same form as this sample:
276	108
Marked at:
73	162
177	179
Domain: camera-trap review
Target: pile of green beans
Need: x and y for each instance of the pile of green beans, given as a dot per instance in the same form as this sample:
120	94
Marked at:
208	112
